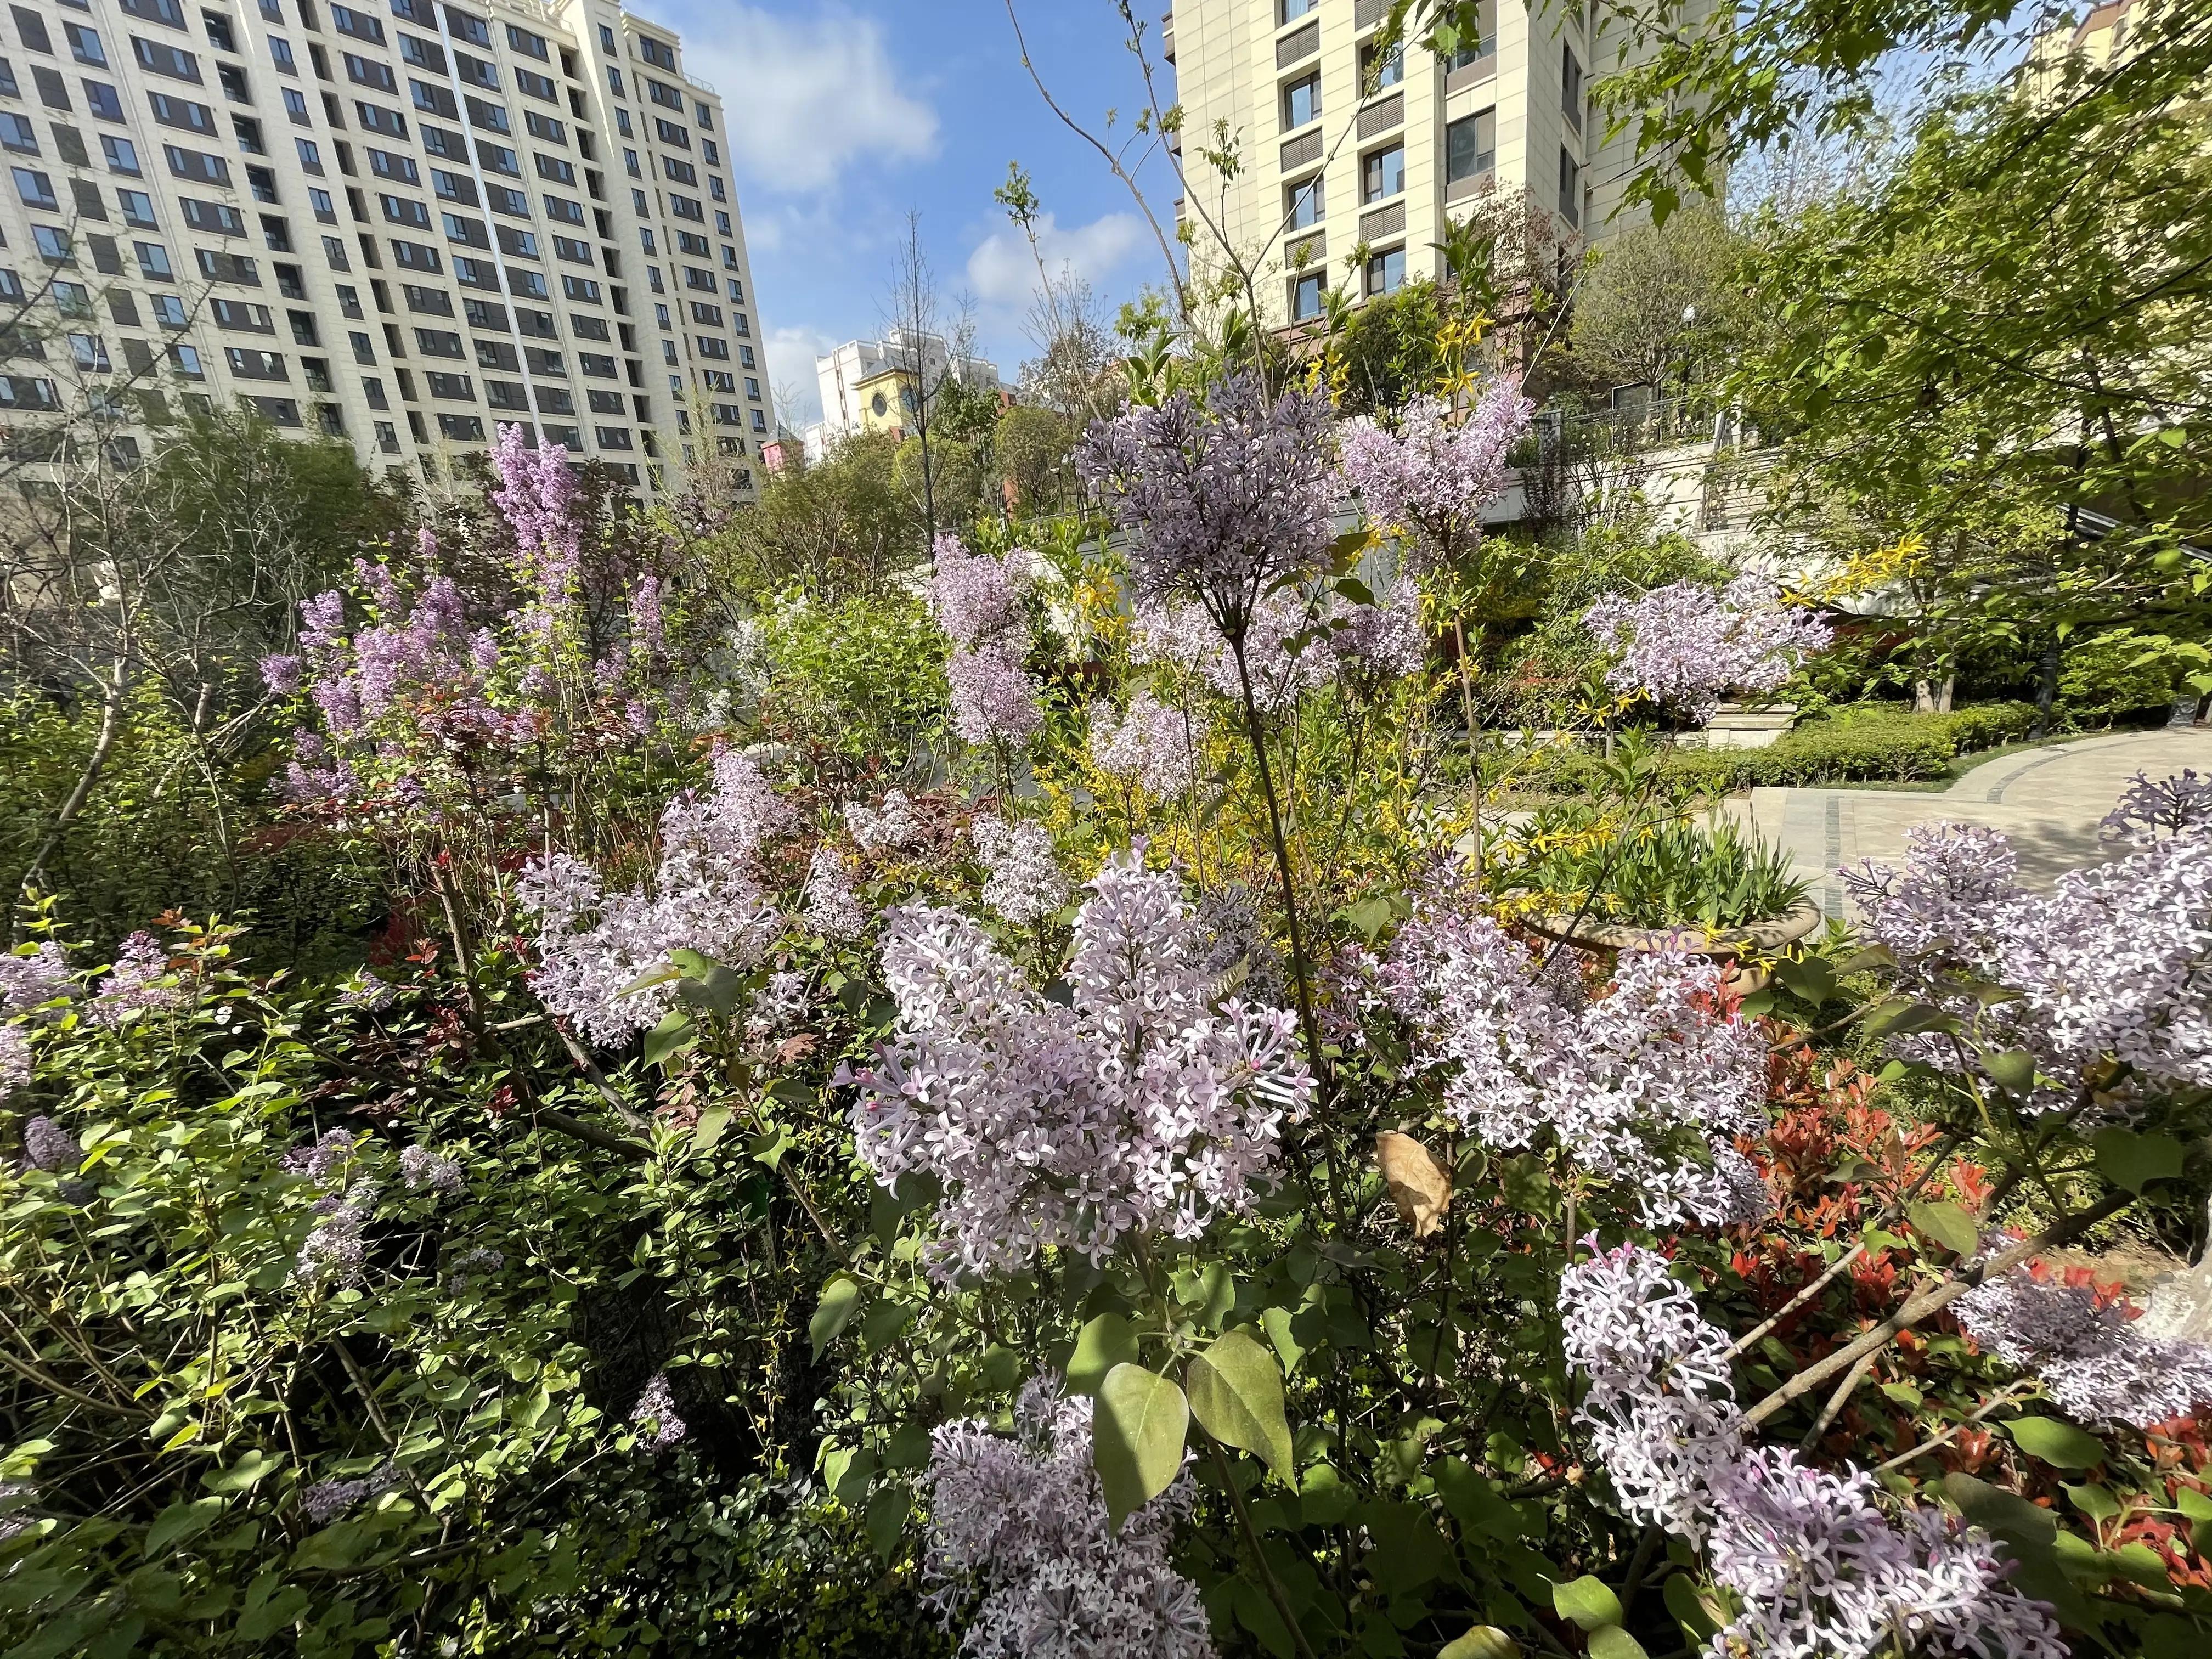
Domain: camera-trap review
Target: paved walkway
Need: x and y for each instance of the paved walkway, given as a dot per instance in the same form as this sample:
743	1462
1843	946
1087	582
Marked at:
2049	800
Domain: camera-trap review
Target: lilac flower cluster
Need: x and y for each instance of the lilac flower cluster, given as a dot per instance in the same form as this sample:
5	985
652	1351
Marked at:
1240	954
327	1157
1149	747
891	828
1431	475
1224	497
139	982
2151	812
420	1167
28	982
1018	1541
708	896
1286	651
1026	884
471	1264
656	1413
335	1253
831	907
536	494
48	1146
2113	964
326	1500
1138	1106
1815	1564
1684	645
978	600
2091	1357
368	992
1386	640
1647	1086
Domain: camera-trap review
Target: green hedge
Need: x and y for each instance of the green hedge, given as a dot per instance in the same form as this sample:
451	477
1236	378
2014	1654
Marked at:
1864	743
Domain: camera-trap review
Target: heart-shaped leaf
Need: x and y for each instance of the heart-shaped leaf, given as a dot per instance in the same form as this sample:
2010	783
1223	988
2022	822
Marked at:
2134	1161
1236	1394
1483	1642
1107	1341
1947	1224
2059	1444
1136	1438
1614	1643
1587	1601
2012	1071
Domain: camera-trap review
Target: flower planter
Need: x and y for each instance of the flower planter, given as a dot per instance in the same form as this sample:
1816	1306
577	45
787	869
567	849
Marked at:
1734	726
1740	950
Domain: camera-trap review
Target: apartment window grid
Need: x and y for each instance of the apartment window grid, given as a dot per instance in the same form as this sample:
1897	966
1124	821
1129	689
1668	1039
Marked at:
580	308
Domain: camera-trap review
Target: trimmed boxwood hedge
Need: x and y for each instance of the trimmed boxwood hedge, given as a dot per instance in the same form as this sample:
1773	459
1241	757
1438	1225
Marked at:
1856	743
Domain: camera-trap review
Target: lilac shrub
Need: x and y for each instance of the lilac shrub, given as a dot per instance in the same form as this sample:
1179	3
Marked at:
1814	1563
2113	966
2149	813
1685	645
2093	1359
1020	1551
1430	474
1141	1106
979	601
1024	884
1647	1086
1151	746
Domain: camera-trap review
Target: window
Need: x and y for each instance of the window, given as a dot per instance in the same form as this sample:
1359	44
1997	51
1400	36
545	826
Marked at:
414	256
614	81
241	313
181	112
213	218
545	127
607	38
159	57
687	207
424	54
1386	271
574	251
1570	188
186	361
469	233
631	165
529	44
498	158
296	106
710	316
682	173
84	45
1292	10
1471	147
1304	203
666	97
103	100
318	200
219	32
311	155
138	208
1377	72
449	185
53	245
474	30
522	243
580	287
431	302
501	199
360	25
168	311
491	118
374	118
534	85
672	132
1306	296
32	30
1382	174
704	116
1301	100
367	72
16	133
659	53
36	189
528	285
558	208
556	169
280	53
461	428
400	211
438	342
154	265
122	154
262	184
456	387
433	99
1570	86
476	71
72	298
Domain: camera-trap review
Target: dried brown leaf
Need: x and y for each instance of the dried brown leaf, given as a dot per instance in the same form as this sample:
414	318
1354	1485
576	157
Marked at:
1420	1186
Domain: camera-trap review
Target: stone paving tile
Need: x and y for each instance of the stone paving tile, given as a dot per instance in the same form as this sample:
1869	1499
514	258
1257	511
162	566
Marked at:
2049	800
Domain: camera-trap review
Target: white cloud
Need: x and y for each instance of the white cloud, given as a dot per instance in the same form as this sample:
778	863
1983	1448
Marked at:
1003	271
790	354
804	98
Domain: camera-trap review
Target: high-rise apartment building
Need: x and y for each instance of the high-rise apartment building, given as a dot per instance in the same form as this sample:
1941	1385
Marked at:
403	222
1340	152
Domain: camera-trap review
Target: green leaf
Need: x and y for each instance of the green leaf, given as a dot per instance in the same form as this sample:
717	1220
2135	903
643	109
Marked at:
1236	1394
2133	1161
1476	1502
1614	1643
1276	1321
840	1300
2014	1071
2059	1444
181	1520
280	1612
1947	1224
1370	917
769	1145
1689	1609
1588	1602
2194	1505
1107	1341
241	1475
1136	1440
671	1036
1323	1499
712	1123
887	1511
1483	1642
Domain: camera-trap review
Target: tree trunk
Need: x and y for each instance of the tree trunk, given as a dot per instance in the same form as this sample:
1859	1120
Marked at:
111	727
2046	692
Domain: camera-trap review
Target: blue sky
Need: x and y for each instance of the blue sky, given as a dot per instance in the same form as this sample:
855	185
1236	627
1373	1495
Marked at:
844	116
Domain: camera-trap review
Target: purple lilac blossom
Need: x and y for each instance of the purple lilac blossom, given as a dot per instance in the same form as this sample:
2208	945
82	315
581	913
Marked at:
335	1253
891	828
326	1156
2091	1357
977	598
420	1167
777	1006
135	984
536	494
17	1063
1150	746
2114	963
993	698
831	907
1020	1544
1181	636
1684	645
1385	640
48	1146
1433	476
31	979
1647	1086
708	897
655	1414
326	1500
1816	1565
1223	498
1026	884
1138	1106
2150	813
282	675
471	1264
